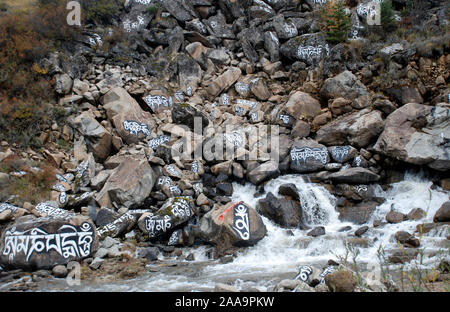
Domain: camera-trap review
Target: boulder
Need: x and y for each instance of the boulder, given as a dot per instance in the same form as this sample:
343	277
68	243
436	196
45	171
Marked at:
358	214
317	231
354	176
131	121
8	212
340	281
98	139
358	129
129	184
308	156
443	213
284	212
301	104
187	115
224	81
63	84
308	48
120	226
43	243
417	134
347	86
395	217
342	154
263	172
235	224
175	211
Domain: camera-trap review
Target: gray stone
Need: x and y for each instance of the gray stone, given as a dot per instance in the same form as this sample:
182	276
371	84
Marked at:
354	176
443	213
59	271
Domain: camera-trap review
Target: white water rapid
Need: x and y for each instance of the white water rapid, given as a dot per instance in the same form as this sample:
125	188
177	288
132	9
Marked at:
279	254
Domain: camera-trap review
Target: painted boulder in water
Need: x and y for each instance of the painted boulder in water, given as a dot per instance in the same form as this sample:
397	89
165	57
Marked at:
235	224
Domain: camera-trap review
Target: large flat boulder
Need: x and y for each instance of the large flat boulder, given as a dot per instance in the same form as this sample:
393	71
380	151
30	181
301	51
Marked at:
418	134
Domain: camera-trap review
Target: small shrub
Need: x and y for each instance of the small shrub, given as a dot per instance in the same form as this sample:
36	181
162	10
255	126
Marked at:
101	10
334	22
388	22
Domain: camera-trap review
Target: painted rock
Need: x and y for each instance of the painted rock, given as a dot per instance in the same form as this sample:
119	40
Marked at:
119	226
43	243
174	212
235	224
308	156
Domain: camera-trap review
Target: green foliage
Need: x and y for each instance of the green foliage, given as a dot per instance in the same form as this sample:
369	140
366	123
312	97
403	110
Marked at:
153	9
101	10
388	21
334	22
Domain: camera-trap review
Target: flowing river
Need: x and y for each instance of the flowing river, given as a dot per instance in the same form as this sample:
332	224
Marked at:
282	251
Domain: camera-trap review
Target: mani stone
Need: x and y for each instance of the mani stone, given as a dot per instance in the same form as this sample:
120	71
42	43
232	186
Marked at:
234	224
308	156
175	211
43	243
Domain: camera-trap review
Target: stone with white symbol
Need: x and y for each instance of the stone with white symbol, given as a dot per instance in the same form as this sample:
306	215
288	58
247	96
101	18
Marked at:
8	212
174	212
234	224
172	171
119	227
309	48
284	29
42	243
132	123
308	156
342	154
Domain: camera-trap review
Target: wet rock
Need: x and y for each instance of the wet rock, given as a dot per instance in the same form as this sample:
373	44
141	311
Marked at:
174	212
354	176
417	134
358	214
235	224
402	255
340	281
359	232
47	242
129	184
395	217
220	287
286	213
289	189
443	213
317	231
416	214
150	253
308	156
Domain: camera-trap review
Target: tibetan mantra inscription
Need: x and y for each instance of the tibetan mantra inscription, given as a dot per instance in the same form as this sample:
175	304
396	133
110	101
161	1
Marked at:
69	242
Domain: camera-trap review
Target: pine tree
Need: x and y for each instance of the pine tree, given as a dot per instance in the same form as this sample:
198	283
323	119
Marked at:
335	23
388	21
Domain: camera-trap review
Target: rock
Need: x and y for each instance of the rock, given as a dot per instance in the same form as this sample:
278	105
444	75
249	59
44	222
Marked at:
96	263
300	130
63	84
301	47
358	129
59	271
443	213
151	253
340	281
288	284
182	10
347	86
108	242
286	213
289	189
417	134
129	184
98	139
122	225
340	106
47	242
224	189
308	156
358	214
187	115
263	172
354	176
301	104
131	121
272	45
342	154
175	211
105	216
218	27
361	231
224	81
402	255
235	224
402	236
220	287
317	231
416	214
395	217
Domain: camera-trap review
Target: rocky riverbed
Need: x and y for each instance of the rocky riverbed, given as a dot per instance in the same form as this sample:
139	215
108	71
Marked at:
228	146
